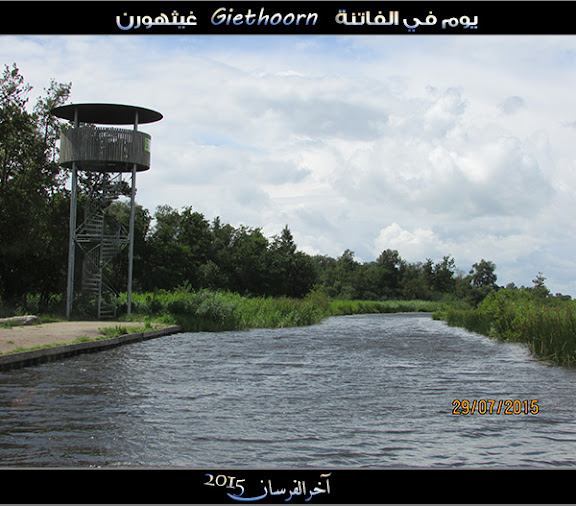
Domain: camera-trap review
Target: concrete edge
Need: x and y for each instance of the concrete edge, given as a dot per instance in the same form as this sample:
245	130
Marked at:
42	355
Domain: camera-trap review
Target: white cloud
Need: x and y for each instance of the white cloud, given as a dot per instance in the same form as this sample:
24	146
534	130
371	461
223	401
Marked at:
410	245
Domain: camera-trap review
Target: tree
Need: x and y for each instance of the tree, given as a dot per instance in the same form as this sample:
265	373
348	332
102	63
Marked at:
194	236
249	262
346	275
416	281
292	271
325	273
483	274
178	246
389	273
368	283
119	211
165	255
48	125
283	264
444	275
482	280
540	289
284	243
214	273
32	194
428	276
304	277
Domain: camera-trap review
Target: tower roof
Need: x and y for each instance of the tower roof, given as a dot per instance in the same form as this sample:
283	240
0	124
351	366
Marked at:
107	114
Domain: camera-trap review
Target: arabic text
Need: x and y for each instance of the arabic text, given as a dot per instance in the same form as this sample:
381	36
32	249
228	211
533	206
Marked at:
392	18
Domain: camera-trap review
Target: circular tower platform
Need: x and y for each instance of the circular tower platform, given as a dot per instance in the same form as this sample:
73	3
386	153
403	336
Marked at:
105	149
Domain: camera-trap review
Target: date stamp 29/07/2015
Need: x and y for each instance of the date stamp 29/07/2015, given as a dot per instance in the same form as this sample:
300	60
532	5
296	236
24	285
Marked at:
495	407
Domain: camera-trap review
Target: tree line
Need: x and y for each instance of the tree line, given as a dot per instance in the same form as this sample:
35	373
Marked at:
176	247
183	247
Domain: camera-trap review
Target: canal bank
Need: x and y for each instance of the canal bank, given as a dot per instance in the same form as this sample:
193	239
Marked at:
54	341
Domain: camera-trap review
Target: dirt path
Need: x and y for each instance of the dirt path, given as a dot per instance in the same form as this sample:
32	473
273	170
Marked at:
30	336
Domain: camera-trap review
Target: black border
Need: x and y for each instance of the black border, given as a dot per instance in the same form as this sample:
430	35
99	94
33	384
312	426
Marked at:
188	486
100	17
392	486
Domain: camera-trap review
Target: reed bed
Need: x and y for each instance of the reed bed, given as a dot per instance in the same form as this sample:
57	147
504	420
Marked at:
546	325
349	307
211	311
206	310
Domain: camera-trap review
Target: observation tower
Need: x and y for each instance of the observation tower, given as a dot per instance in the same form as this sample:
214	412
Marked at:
107	160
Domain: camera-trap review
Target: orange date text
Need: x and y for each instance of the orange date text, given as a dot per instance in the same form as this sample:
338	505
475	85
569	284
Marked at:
495	407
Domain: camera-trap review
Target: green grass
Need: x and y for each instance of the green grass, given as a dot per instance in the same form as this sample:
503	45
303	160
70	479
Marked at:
469	319
121	330
546	325
206	310
9	325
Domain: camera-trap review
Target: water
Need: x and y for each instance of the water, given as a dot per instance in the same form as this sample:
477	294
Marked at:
367	391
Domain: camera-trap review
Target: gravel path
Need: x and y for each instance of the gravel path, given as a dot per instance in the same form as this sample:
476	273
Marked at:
30	336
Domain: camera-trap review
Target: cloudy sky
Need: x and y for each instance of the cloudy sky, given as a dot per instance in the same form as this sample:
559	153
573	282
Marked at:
438	145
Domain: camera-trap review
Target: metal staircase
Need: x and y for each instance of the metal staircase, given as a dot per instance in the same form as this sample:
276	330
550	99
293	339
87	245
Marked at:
101	237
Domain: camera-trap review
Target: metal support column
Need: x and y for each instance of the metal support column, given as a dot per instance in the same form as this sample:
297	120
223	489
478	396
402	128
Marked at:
131	245
72	237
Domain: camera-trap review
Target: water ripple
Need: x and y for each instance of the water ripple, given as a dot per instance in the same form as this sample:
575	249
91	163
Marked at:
361	391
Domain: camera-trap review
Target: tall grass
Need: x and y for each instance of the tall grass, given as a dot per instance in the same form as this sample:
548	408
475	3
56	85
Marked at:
546	325
469	319
206	310
348	307
551	334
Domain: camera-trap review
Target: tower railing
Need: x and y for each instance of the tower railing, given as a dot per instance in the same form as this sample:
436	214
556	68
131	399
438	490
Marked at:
105	149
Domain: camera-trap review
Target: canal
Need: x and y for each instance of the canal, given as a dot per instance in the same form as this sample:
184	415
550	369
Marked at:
364	391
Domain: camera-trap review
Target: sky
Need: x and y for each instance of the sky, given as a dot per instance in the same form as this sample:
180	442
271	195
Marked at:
430	145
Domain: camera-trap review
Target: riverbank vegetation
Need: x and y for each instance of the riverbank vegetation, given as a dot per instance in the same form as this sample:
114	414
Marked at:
545	323
207	310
